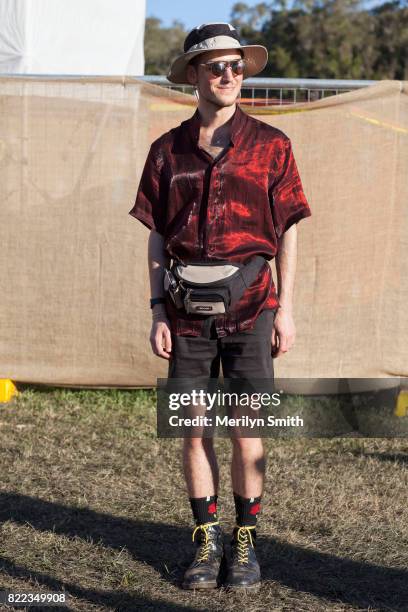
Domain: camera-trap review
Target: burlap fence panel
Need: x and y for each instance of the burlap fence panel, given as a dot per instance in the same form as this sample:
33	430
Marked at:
75	289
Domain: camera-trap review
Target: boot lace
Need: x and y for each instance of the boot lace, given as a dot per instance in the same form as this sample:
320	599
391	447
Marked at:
205	546
243	538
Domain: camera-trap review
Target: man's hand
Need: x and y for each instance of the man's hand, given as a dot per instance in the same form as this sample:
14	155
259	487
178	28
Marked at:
160	336
283	333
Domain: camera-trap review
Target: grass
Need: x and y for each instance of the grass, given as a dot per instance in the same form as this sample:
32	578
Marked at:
92	502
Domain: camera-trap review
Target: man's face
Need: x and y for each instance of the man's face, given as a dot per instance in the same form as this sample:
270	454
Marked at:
223	90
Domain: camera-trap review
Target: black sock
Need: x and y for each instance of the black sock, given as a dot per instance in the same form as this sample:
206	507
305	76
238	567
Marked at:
247	510
204	509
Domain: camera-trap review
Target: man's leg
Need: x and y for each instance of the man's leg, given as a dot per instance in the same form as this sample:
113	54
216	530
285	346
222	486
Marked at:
200	467
197	359
247	356
247	466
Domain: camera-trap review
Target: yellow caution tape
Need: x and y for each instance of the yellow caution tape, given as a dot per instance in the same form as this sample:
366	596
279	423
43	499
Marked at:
253	110
286	111
308	107
373	121
168	106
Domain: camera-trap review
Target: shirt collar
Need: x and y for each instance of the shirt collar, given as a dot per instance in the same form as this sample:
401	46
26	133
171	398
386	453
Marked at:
239	120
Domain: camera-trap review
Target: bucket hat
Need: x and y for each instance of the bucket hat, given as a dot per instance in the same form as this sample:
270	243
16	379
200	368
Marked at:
211	37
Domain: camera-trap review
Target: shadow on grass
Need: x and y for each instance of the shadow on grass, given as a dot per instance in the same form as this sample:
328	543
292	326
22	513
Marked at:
162	546
400	458
117	600
338	579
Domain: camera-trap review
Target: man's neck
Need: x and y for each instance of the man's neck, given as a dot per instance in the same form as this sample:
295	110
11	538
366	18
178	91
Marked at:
212	116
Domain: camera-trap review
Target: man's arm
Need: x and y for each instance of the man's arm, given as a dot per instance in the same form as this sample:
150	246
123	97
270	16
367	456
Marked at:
158	260
286	267
160	335
284	332
289	206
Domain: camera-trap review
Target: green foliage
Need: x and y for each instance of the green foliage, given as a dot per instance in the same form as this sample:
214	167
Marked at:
162	45
333	39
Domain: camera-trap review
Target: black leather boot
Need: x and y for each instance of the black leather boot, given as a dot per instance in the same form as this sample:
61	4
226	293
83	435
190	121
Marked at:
243	566
204	571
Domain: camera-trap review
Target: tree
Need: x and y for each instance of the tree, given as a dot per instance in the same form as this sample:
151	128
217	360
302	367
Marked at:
162	45
391	32
333	39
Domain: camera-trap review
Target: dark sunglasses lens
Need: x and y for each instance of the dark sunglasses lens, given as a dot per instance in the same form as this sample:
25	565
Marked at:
237	67
218	68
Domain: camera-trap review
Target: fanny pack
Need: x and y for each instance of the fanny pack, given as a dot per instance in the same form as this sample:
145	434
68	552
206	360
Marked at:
210	288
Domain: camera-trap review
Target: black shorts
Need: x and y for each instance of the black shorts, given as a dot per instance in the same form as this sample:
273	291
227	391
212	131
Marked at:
245	354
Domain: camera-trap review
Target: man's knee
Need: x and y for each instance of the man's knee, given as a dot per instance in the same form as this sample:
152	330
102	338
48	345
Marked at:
247	446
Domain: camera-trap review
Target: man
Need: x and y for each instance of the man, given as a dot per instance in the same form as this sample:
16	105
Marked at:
222	186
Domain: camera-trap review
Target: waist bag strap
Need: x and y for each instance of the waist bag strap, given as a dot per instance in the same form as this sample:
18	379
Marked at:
247	276
206	329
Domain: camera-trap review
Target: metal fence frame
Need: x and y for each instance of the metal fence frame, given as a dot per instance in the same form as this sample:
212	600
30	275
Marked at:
312	89
289	90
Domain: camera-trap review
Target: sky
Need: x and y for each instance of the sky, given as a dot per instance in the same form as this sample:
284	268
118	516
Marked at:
193	13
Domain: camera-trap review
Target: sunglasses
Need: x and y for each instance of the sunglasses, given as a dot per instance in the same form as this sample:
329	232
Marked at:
218	68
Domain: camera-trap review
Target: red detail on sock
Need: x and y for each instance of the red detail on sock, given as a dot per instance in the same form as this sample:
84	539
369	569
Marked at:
212	508
255	509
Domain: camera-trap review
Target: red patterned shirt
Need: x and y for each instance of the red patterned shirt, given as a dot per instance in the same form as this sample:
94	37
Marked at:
229	208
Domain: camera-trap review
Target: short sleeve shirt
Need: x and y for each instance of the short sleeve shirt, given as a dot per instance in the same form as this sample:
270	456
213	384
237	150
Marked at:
229	208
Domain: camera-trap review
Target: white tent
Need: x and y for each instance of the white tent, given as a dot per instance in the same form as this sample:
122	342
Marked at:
84	37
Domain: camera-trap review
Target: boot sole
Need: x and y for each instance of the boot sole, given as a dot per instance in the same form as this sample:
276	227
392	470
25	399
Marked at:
203	586
243	587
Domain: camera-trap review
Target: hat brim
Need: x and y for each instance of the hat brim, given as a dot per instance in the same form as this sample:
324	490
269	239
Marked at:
256	58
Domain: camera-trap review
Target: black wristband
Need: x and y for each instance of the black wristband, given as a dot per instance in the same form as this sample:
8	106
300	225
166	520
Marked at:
158	300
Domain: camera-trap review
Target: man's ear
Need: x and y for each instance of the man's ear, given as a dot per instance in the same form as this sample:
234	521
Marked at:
191	74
